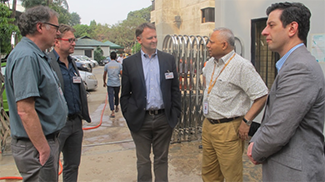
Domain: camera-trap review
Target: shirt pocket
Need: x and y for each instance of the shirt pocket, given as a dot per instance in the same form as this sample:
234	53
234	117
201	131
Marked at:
223	88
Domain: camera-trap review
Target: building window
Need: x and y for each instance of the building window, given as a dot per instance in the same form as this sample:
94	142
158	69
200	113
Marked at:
262	58
153	5
88	53
207	15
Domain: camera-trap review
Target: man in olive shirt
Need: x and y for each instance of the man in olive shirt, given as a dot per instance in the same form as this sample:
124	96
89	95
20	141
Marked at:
37	107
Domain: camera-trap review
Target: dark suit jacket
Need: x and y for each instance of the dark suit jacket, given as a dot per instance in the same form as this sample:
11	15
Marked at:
290	141
133	96
83	93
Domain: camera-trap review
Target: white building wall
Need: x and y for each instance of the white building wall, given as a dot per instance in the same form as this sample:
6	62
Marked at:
237	15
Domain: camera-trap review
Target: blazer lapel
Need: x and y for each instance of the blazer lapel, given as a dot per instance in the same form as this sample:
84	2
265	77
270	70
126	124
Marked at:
55	66
161	67
138	64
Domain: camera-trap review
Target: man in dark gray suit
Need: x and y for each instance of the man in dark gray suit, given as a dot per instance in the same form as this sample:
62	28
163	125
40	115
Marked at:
290	141
150	102
75	94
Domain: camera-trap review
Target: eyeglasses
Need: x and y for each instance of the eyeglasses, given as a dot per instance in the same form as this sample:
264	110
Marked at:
70	40
55	26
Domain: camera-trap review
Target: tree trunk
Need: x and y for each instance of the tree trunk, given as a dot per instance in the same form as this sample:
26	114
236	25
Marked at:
14	4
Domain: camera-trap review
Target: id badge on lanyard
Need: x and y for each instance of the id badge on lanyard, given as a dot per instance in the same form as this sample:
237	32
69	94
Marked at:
205	106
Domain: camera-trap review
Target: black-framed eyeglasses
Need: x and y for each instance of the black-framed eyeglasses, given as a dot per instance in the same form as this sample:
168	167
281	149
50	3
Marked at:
70	40
55	26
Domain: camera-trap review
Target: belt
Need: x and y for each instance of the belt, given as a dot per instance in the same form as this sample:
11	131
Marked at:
155	112
52	136
73	116
224	120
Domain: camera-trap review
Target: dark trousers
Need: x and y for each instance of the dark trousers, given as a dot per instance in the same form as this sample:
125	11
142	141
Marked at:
27	161
113	93
70	144
157	133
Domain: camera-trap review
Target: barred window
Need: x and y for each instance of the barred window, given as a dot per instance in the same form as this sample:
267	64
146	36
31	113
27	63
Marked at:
207	15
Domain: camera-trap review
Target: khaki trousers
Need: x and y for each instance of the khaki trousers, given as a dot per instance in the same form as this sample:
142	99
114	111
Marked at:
222	151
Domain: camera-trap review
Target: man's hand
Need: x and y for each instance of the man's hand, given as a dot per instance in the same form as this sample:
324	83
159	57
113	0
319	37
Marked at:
104	85
32	125
243	130
249	153
44	155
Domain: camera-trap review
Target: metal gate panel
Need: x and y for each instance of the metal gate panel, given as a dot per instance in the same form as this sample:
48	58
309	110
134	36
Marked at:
190	54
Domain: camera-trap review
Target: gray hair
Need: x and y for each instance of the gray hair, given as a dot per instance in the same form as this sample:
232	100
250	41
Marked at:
29	19
140	28
227	34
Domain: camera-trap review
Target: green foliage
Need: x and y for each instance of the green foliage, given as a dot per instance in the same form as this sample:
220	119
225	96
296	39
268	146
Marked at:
144	13
32	3
82	30
75	19
6	28
122	33
60	6
136	48
98	54
65	16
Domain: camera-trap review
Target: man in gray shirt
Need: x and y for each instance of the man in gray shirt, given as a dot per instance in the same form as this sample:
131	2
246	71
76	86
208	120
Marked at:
37	107
113	69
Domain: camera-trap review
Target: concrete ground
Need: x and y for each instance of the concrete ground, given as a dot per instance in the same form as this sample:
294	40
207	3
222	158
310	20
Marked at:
108	152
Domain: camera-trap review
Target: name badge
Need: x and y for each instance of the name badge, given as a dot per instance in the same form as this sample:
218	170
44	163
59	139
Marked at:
76	79
169	75
205	107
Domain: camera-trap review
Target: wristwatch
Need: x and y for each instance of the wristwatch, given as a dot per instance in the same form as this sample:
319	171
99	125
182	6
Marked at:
248	122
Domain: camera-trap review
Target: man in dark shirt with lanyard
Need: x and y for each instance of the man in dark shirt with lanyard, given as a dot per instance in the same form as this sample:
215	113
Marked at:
75	94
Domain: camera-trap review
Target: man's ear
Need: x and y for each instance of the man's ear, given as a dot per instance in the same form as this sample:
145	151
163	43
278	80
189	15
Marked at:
293	29
39	27
224	45
139	39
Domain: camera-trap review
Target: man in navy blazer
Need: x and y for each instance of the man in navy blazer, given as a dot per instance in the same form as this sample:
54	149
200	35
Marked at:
290	141
150	102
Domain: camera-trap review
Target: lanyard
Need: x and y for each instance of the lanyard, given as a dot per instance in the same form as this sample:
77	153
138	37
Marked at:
211	85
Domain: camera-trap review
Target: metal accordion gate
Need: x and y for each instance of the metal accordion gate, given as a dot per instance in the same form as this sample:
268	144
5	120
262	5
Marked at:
190	54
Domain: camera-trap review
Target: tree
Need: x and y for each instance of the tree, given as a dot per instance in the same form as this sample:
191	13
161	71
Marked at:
82	30
65	16
124	33
98	54
6	28
75	19
32	3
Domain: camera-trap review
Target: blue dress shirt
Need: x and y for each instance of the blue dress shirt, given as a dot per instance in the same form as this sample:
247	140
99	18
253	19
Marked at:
281	61
71	90
151	73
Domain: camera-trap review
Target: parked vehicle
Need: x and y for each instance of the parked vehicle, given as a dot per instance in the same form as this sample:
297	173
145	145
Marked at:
86	59
89	80
105	61
91	60
82	65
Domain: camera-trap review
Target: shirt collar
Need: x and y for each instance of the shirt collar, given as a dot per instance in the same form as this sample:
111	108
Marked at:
147	56
281	61
58	57
225	58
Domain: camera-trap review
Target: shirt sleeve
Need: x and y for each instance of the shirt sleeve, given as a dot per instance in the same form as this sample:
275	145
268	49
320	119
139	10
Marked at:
25	78
251	82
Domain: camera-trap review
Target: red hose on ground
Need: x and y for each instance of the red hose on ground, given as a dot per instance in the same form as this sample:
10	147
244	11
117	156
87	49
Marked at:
101	118
88	128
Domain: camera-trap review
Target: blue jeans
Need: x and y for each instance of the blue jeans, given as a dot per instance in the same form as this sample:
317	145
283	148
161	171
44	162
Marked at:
70	144
113	93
